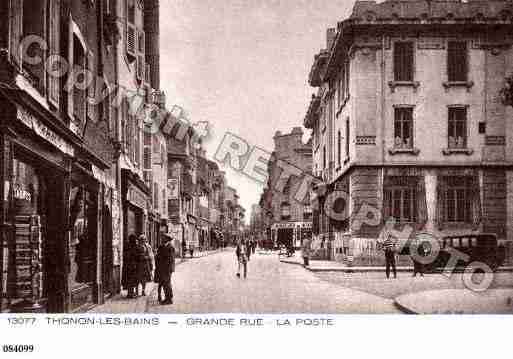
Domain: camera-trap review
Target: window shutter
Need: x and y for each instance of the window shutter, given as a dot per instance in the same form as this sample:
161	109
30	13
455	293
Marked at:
16	28
71	61
131	39
55	27
90	93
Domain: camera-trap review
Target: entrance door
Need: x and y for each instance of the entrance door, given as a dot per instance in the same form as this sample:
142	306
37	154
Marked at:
107	252
285	236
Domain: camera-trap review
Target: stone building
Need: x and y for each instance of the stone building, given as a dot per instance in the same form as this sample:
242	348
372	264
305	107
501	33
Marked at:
407	120
291	217
59	172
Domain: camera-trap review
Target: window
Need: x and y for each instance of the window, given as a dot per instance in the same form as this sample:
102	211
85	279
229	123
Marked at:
324	157
457	132
79	95
400	198
347	72
457	61
33	23
106	107
343	84
307	212
131	11
285	211
403	61
458	199
348	133
339	148
403	127
286	188
155	194
147	150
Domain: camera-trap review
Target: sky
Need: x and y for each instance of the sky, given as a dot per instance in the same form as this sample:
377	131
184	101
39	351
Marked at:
242	65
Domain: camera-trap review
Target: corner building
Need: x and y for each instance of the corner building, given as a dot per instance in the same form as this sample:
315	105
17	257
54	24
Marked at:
407	119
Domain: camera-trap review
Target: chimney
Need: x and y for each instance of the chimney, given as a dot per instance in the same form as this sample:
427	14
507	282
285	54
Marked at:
330	37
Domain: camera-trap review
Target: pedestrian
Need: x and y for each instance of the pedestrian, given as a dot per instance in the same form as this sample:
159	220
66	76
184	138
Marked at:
164	268
242	260
419	251
389	248
130	272
184	249
191	250
307	243
146	263
248	249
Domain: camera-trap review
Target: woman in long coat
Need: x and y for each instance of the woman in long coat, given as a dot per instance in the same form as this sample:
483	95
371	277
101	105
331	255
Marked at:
132	255
144	263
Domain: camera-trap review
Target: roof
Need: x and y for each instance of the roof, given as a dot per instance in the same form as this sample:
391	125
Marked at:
425	9
315	76
311	113
419	13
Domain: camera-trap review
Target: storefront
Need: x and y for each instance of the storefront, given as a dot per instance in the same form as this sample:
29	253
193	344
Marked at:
135	196
34	172
85	223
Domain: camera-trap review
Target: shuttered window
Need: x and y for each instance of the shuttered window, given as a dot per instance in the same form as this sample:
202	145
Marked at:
16	28
457	61
348	134
403	61
339	148
54	50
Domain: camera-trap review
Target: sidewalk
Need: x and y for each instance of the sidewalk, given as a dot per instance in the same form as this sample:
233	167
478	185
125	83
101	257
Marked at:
457	301
120	304
332	266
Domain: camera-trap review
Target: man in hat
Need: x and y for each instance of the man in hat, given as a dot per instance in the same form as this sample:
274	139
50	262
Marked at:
164	267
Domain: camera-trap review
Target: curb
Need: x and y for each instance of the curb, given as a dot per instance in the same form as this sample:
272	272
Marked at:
404	309
379	269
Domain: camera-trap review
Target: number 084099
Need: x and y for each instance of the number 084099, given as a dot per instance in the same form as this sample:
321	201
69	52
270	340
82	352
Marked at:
22	348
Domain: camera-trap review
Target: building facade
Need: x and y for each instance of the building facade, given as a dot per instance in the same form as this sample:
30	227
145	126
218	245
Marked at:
407	120
290	216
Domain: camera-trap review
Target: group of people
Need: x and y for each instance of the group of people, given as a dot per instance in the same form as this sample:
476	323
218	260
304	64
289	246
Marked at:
142	266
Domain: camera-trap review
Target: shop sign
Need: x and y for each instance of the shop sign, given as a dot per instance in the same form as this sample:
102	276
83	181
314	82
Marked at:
21	194
44	132
103	177
292	225
136	197
174	189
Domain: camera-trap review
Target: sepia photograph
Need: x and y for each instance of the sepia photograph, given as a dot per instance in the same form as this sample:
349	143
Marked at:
258	157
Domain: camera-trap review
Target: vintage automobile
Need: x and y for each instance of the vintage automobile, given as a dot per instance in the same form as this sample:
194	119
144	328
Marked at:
481	247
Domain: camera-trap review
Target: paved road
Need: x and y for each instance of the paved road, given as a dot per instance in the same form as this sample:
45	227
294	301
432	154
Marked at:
377	284
209	285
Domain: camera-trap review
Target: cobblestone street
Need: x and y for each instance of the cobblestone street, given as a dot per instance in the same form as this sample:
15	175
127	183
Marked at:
209	285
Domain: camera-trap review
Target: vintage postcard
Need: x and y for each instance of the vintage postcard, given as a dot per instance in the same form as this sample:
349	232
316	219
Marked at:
281	162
